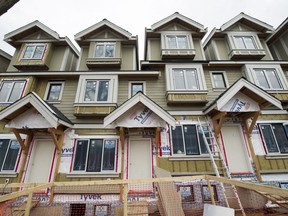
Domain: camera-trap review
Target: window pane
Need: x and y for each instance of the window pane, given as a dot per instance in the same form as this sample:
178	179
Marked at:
177	140
81	154
95	155
263	82
90	90
179	79
16	91
203	148
109	154
54	91
99	51
171	42
182	42
191	140
136	87
5	89
239	43
273	78
38	52
12	156
192	79
3	148
110	50
280	137
219	81
103	91
269	138
28	52
249	43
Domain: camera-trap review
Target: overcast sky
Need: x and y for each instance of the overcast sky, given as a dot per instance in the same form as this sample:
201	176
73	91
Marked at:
68	17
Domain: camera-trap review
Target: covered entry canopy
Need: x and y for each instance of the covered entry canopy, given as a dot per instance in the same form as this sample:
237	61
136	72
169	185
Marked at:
243	96
139	111
32	112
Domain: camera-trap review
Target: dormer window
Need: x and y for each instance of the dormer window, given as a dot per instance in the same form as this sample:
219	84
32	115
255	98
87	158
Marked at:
245	45
34	51
105	50
177	42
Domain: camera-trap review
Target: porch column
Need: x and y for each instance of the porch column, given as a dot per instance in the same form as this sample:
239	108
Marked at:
25	145
122	140
249	128
157	136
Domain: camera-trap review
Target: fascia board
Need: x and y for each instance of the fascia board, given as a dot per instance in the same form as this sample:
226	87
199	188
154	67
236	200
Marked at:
30	25
100	24
209	37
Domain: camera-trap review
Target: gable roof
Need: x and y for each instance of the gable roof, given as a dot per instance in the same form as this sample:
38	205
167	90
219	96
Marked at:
146	101
283	27
181	18
48	111
249	21
30	28
247	88
5	55
100	24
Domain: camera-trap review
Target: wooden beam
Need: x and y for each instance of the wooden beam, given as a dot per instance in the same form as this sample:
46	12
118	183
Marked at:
251	186
125	199
24	192
218	121
54	138
211	192
254	120
28	204
122	140
19	139
56	131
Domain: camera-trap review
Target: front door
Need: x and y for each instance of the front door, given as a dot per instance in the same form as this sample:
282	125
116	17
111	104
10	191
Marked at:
140	159
236	151
41	161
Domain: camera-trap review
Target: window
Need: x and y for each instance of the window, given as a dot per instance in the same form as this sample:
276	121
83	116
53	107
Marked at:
177	42
245	42
187	193
95	155
96	90
206	193
34	51
11	90
9	152
105	50
188	77
268	78
54	91
187	140
136	86
101	210
218	80
77	209
275	138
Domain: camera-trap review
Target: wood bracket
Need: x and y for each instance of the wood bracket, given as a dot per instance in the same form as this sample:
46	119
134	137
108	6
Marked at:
218	121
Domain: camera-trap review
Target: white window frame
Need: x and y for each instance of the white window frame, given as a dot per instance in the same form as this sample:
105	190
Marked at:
34	45
9	93
250	73
136	82
112	90
5	157
102	171
170	86
48	89
105	44
185	153
164	41
224	77
232	42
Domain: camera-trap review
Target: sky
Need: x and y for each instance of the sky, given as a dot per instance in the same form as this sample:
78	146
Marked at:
68	17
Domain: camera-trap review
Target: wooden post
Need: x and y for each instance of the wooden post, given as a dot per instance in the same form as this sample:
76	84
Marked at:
218	121
125	200
122	140
211	192
29	204
249	135
157	135
59	151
